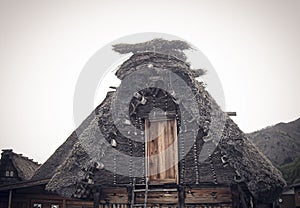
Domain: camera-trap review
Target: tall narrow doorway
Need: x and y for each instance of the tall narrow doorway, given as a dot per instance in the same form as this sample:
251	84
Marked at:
161	151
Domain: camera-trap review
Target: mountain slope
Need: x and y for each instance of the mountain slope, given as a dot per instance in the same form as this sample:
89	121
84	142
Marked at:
291	172
280	143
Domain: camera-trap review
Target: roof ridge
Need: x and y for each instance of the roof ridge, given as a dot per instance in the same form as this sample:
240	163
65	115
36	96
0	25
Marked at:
25	158
20	155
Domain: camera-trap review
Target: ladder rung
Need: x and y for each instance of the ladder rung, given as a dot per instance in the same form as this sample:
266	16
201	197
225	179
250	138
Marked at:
156	190
138	205
139	190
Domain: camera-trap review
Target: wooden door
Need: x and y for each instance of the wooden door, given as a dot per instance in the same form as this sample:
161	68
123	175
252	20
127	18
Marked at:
161	151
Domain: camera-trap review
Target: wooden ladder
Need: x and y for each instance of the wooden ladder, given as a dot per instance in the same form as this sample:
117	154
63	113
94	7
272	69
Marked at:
135	190
146	190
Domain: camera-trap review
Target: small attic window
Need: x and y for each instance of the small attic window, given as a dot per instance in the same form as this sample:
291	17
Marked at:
9	173
37	205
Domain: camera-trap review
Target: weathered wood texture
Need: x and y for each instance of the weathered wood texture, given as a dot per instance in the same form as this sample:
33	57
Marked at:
196	197
161	151
166	206
114	196
158	198
27	197
297	196
29	201
209	206
208	196
114	206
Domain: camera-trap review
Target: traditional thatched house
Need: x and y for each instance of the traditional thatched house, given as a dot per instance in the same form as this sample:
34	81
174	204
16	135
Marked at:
160	139
15	167
19	190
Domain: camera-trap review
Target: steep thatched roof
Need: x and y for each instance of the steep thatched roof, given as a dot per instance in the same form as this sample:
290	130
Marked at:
212	149
48	169
25	167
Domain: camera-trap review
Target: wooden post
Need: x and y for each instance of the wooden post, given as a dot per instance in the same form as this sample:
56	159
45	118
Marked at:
235	196
129	193
243	197
64	203
231	113
97	196
9	198
181	193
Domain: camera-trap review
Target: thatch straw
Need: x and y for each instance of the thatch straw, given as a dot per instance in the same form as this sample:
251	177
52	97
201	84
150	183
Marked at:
219	151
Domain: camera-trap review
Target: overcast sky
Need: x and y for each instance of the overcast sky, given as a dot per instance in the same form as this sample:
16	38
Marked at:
254	47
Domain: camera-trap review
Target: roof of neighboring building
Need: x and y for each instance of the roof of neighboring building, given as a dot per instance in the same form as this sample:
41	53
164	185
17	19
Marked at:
296	185
289	191
25	167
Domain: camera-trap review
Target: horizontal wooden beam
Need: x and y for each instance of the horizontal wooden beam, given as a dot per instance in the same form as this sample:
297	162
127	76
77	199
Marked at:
24	184
231	113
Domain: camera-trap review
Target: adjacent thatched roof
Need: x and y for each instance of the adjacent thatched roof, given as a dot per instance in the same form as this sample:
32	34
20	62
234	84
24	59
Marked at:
218	151
24	166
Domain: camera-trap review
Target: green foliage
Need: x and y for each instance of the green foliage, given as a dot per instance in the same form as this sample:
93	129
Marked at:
291	172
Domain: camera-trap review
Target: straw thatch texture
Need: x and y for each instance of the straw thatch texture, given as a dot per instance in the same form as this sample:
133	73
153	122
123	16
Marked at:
25	167
212	149
47	170
173	47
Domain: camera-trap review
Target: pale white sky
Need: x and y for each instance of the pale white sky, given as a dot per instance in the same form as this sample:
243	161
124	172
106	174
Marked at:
254	47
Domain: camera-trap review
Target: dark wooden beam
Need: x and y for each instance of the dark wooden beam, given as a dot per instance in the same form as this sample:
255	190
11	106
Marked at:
129	192
97	197
181	196
23	184
64	203
9	199
243	197
235	196
231	113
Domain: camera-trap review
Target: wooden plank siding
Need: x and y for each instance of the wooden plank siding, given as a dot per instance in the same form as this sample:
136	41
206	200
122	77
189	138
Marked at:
114	196
27	202
208	195
165	206
194	197
114	206
158	198
27	197
161	151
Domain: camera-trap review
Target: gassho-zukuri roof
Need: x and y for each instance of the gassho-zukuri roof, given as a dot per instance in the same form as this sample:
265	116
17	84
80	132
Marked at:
212	149
25	167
